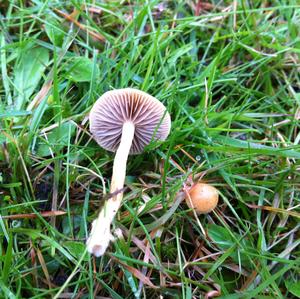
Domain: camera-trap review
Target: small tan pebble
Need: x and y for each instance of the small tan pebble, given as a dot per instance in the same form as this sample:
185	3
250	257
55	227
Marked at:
202	197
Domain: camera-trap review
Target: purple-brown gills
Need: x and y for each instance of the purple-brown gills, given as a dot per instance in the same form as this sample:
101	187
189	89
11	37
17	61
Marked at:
203	198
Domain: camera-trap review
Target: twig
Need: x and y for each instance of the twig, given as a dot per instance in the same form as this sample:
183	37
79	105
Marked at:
33	215
82	27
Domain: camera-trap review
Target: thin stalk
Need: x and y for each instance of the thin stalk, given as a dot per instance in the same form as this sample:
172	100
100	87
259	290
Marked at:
100	235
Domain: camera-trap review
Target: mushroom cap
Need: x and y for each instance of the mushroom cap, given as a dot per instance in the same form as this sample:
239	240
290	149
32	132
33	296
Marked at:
115	107
203	198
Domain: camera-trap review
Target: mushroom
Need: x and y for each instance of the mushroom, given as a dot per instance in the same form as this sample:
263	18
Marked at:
203	198
122	121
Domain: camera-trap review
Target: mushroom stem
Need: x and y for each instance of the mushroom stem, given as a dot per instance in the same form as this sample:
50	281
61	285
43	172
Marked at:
100	235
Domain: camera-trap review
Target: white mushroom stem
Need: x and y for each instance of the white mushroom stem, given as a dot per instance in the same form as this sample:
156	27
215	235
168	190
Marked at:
100	235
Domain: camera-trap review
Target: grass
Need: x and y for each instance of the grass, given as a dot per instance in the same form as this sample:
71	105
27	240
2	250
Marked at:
228	71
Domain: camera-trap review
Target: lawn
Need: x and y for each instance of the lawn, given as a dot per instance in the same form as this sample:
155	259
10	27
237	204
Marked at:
228	73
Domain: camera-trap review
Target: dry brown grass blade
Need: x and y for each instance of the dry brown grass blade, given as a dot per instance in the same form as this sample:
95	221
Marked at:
135	272
274	210
33	215
95	35
33	263
40	95
177	165
140	244
186	153
145	260
44	267
248	281
95	10
117	281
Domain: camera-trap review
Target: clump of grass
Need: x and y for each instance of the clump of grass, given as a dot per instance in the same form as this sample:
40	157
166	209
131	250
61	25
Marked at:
228	73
